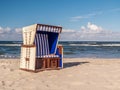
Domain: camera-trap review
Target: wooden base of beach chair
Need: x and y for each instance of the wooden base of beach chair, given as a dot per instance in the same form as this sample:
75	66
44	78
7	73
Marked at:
47	63
42	64
39	70
28	61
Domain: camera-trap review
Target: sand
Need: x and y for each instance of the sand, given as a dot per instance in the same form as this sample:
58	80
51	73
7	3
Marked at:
77	74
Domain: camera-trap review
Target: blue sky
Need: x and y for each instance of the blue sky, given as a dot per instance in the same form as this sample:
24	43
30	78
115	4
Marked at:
93	18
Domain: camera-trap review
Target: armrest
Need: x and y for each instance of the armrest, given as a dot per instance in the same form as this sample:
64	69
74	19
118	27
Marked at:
60	49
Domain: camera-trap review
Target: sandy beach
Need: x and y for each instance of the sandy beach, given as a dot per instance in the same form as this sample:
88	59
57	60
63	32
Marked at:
77	74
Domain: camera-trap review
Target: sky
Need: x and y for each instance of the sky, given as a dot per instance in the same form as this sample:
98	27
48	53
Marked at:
82	20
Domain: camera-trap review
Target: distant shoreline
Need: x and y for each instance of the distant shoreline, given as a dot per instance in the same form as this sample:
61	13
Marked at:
71	49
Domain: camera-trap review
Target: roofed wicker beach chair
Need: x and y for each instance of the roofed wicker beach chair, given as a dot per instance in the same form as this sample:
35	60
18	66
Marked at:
40	49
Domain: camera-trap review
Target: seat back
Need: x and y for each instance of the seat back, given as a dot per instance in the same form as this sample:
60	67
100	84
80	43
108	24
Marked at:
42	44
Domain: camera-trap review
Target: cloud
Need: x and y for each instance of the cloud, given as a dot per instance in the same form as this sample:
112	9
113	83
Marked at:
5	30
68	30
1	30
90	32
114	10
18	30
90	15
8	33
93	27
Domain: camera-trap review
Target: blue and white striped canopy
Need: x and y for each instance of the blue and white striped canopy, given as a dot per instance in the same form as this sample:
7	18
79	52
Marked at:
49	28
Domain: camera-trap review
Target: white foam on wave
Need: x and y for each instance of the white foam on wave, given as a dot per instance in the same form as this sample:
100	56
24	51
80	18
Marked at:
10	44
94	44
8	56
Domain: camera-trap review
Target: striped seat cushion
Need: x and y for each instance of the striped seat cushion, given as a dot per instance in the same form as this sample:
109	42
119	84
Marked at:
49	56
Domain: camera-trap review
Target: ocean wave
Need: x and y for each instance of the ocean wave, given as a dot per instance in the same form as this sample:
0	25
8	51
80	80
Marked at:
94	44
10	44
17	42
9	56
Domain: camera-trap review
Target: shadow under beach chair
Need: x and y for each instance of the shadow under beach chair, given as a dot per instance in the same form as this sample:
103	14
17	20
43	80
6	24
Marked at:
72	64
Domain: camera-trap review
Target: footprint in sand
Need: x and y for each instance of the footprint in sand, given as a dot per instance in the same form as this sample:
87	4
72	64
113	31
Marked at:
3	66
11	70
3	83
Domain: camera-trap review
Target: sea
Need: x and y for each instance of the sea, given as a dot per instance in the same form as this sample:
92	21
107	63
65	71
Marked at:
72	49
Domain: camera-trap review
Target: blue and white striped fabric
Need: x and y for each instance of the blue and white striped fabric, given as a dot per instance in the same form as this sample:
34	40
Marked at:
48	28
41	40
42	45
